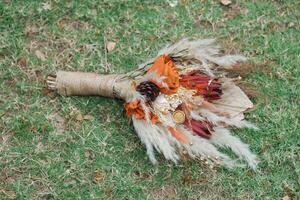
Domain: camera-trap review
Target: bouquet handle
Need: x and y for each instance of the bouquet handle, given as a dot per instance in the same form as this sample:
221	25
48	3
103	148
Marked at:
88	84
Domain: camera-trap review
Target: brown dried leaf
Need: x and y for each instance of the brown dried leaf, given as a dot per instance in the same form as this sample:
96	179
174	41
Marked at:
110	46
98	176
40	55
225	2
49	93
22	62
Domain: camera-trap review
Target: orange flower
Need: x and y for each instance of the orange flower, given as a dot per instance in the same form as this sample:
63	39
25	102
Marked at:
178	135
135	109
165	67
154	118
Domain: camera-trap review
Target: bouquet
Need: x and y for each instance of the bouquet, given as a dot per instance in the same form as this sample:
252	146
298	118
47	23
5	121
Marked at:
182	103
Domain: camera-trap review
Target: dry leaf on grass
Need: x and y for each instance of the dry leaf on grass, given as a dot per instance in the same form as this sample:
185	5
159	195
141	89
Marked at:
22	62
40	55
98	176
110	46
225	2
49	93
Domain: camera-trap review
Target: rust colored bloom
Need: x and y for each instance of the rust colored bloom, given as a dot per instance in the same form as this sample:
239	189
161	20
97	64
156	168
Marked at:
165	67
206	86
135	109
200	128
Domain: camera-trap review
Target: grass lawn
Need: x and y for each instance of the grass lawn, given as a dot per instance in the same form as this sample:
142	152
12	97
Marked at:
53	147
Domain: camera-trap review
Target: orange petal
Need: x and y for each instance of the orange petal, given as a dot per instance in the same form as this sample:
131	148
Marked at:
154	119
135	109
178	135
164	67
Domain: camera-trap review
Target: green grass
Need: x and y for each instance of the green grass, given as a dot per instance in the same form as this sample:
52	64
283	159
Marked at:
45	153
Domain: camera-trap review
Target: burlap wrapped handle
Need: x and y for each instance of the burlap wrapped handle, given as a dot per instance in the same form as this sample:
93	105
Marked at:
90	84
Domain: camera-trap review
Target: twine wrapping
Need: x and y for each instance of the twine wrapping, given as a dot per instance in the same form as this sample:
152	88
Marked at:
92	84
